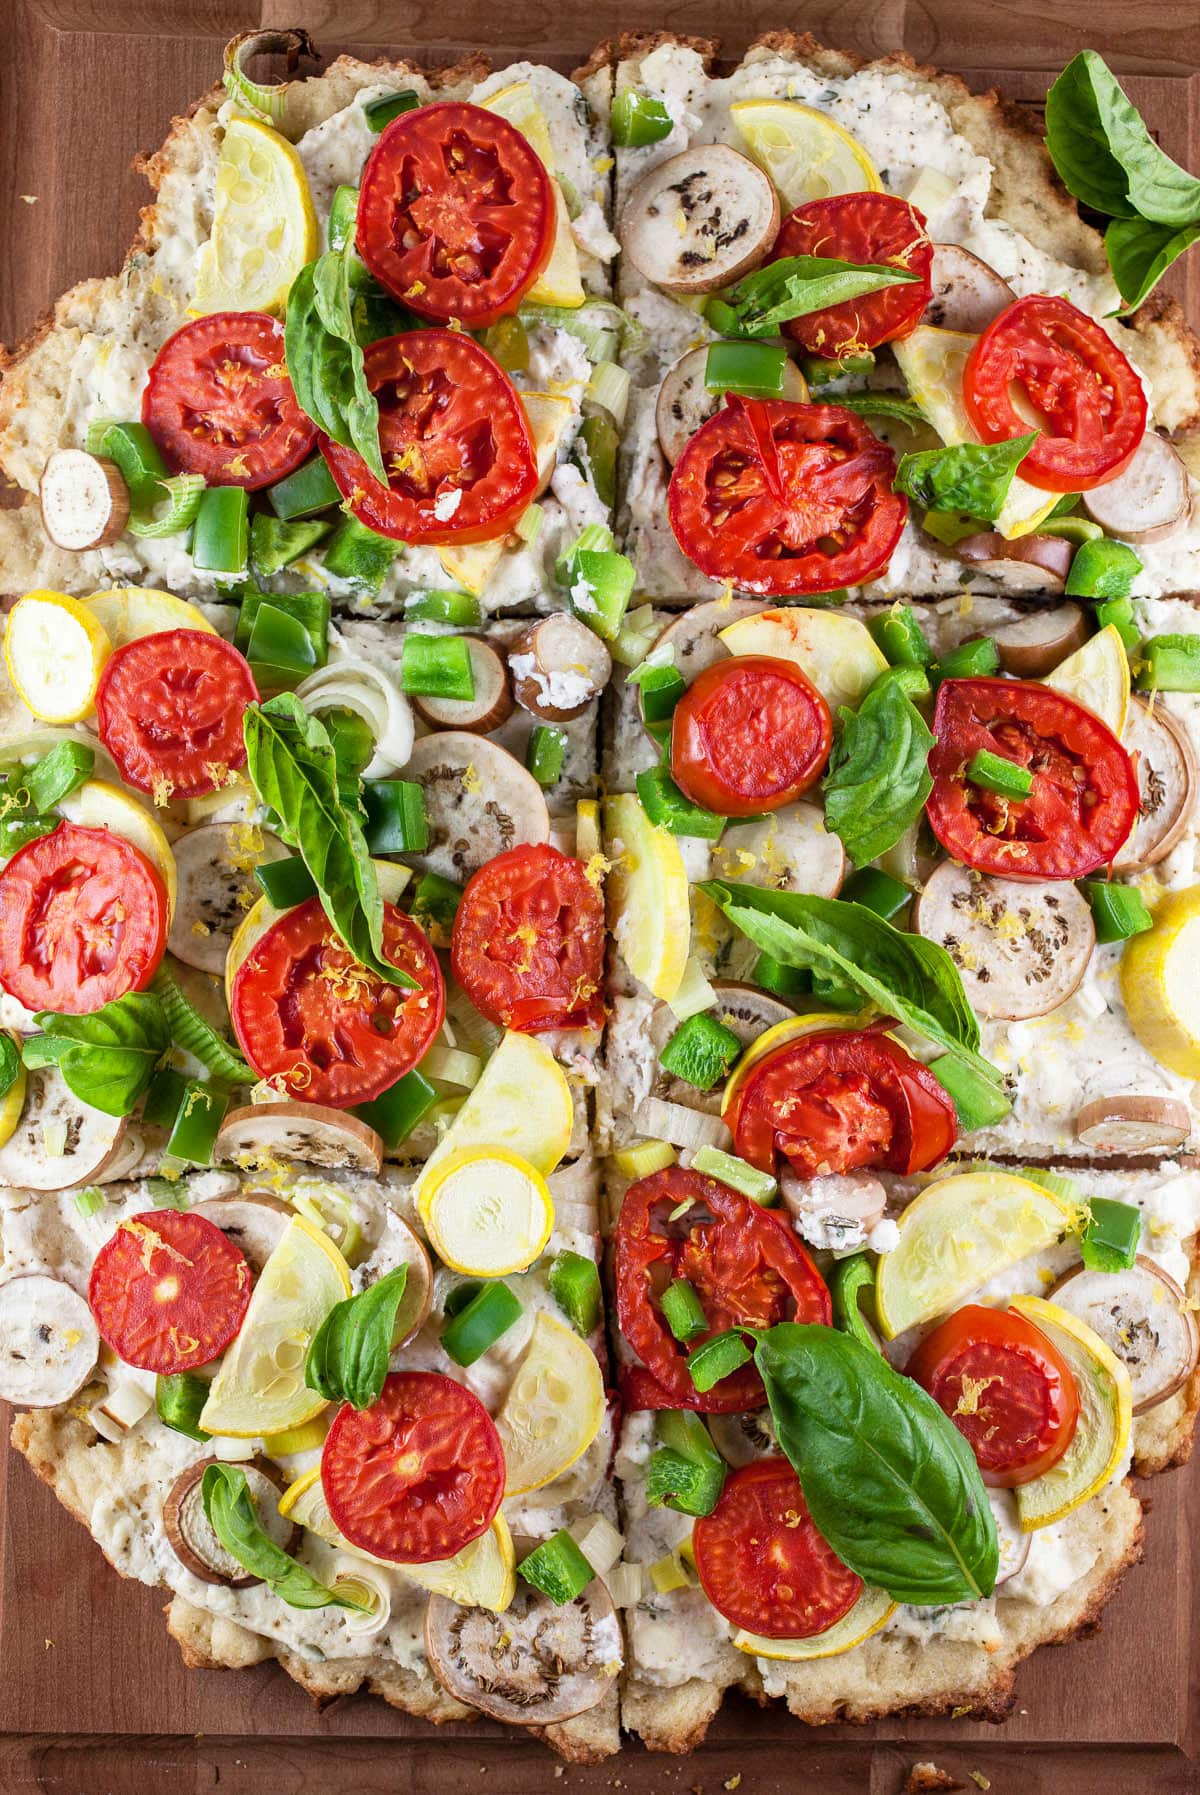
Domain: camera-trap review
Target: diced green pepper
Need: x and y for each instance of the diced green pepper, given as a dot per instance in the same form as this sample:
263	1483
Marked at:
275	542
661	689
682	1311
280	650
309	610
221	539
544	755
784	981
901	637
760	1187
970	660
179	1398
754	369
132	449
360	555
977	1102
437	667
558	1568
1119	613
821	370
993	773
352	740
311	488
575	1286
877	891
701	1051
458	608
435	904
912	681
688	1474
57	774
1118	911
847	1282
599	437
397	820
667	807
477	1326
1111	1235
1170	664
343	216
637	119
163	1097
286	883
380	111
400	1109
201	1113
1102	569
716	1359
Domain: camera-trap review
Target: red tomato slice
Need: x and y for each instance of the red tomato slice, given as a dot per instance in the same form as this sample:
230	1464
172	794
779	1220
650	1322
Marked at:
83	919
873	228
745	1263
834	1102
169	708
219	402
785	499
1089	403
418	1475
307	1013
749	734
169	1291
1005	1386
1084	800
456	442
528	944
762	1563
456	213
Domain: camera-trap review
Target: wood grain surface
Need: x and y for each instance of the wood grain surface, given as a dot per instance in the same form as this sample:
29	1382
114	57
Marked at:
93	1697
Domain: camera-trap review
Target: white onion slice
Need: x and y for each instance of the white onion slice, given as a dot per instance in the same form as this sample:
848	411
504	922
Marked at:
355	685
683	1127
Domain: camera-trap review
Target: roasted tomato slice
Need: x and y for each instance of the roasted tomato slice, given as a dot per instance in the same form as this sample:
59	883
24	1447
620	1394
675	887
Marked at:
219	402
308	1014
1084	800
456	443
744	1262
874	228
83	919
1005	1386
169	708
749	734
783	498
834	1102
528	944
419	1474
169	1291
456	213
1087	401
762	1563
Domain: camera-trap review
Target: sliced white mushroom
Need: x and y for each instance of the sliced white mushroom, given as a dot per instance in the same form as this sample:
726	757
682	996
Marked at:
1149	499
1035	644
479	799
1142	1314
1021	949
254	1222
1166	772
558	666
536	1664
59	1141
215	867
49	1343
84	500
700	219
789	850
261	1134
1133	1123
398	1245
967	291
191	1537
740	1439
684	402
487	710
1013	1543
836	1211
1026	564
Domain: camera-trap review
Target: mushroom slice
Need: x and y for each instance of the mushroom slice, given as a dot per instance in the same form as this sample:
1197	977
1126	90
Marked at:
1034	645
215	866
1027	563
559	666
398	1245
84	500
1166	771
789	850
261	1134
967	291
836	1211
491	705
192	1539
700	219
536	1664
59	1141
1021	949
254	1223
49	1343
1014	1545
1131	1123
480	802
694	636
684	402
742	1438
1143	1316
1148	499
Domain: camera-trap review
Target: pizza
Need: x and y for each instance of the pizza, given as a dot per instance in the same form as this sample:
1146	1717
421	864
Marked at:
599	883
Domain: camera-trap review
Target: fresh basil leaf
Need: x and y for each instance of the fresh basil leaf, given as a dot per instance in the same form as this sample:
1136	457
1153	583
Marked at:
348	1357
233	1517
109	1057
10	1062
890	1482
883	405
796	285
970	477
878	778
1105	155
292	766
1140	251
325	358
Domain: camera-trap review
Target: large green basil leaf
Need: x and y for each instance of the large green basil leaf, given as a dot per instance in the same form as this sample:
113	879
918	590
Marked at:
292	766
325	359
970	477
233	1517
878	778
1140	251
1106	156
890	1482
109	1057
796	285
348	1358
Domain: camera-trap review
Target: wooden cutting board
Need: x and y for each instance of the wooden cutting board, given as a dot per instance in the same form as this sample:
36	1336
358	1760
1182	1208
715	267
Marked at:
93	1696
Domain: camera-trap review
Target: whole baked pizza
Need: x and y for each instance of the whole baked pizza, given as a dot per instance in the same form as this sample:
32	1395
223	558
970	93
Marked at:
599	883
